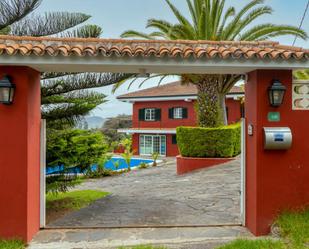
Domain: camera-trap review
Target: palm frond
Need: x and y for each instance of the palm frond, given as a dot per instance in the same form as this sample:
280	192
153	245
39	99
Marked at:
252	16
268	30
48	24
14	10
233	24
136	34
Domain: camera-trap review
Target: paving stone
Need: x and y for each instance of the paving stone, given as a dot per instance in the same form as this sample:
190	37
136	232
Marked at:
157	196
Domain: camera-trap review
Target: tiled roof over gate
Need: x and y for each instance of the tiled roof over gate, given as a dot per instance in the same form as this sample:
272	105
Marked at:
40	46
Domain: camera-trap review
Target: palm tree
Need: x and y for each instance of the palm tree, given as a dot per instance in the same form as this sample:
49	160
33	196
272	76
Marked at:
213	20
66	97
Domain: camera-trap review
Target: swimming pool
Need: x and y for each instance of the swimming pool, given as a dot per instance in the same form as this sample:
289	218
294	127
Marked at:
110	165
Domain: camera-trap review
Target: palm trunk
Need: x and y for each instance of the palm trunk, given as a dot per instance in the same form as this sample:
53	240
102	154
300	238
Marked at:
212	89
209	103
223	109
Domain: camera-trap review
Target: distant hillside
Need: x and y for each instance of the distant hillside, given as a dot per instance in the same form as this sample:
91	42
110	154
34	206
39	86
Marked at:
95	122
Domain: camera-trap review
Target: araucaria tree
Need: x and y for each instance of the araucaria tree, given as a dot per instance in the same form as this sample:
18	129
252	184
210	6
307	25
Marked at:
212	20
66	97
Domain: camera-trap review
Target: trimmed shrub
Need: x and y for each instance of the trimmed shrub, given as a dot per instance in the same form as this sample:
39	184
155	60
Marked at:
218	142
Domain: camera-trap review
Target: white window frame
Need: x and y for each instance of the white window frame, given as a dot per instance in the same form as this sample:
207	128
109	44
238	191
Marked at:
150	114
145	137
178	113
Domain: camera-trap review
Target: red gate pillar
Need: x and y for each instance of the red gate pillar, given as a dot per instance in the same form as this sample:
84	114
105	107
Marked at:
20	156
275	180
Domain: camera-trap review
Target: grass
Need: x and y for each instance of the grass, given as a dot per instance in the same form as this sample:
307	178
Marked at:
63	203
254	244
143	247
12	244
294	228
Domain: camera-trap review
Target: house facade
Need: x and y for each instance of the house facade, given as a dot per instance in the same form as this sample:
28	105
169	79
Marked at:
158	111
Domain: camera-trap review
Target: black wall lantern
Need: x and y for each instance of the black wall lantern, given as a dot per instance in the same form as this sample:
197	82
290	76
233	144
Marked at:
7	91
276	93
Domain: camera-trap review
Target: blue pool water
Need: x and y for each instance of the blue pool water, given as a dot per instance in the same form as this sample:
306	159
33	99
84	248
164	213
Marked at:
108	165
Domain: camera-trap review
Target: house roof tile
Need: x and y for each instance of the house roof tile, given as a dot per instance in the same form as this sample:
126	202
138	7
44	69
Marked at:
172	90
40	46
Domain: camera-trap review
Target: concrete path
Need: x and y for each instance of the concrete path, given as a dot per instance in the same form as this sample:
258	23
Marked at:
180	238
158	197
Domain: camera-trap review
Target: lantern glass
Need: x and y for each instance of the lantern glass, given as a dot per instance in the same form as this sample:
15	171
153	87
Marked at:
7	91
4	94
276	93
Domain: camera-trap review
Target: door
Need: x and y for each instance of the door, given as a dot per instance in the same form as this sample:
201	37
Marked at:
152	144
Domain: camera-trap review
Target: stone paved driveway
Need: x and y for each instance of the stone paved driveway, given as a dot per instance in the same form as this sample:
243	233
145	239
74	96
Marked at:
158	197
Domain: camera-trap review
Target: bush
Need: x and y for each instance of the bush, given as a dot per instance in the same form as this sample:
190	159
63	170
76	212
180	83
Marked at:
219	142
70	149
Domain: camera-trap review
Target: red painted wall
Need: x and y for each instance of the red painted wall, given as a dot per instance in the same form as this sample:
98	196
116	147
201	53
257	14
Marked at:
165	121
276	180
234	110
20	156
232	105
172	149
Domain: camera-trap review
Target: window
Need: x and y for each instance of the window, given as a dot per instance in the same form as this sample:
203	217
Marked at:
178	113
174	139
150	114
152	143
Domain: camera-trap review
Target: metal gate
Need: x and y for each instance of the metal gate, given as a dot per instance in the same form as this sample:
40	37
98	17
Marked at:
243	173
42	175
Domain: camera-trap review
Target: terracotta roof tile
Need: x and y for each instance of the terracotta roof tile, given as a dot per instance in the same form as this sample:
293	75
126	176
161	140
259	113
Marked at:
40	46
171	90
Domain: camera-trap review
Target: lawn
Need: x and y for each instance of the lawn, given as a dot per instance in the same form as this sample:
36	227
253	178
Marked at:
11	244
63	203
294	228
143	247
254	244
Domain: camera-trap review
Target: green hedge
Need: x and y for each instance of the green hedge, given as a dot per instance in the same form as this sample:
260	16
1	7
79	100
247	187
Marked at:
219	142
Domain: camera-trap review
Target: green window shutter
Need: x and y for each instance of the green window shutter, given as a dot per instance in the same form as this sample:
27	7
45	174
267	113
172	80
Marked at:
171	113
158	114
141	114
174	139
184	112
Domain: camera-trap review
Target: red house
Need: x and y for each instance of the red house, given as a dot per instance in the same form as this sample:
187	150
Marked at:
158	111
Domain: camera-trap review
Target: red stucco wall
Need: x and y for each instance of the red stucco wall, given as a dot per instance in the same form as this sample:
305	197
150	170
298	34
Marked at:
165	121
188	164
20	156
276	180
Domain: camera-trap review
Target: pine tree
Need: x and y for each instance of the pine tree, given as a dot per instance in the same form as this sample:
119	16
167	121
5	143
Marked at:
66	97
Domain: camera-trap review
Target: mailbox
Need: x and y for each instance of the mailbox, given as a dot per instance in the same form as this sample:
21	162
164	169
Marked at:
277	138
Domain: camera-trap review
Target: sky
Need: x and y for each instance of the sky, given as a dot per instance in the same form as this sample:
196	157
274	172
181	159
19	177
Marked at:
117	16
